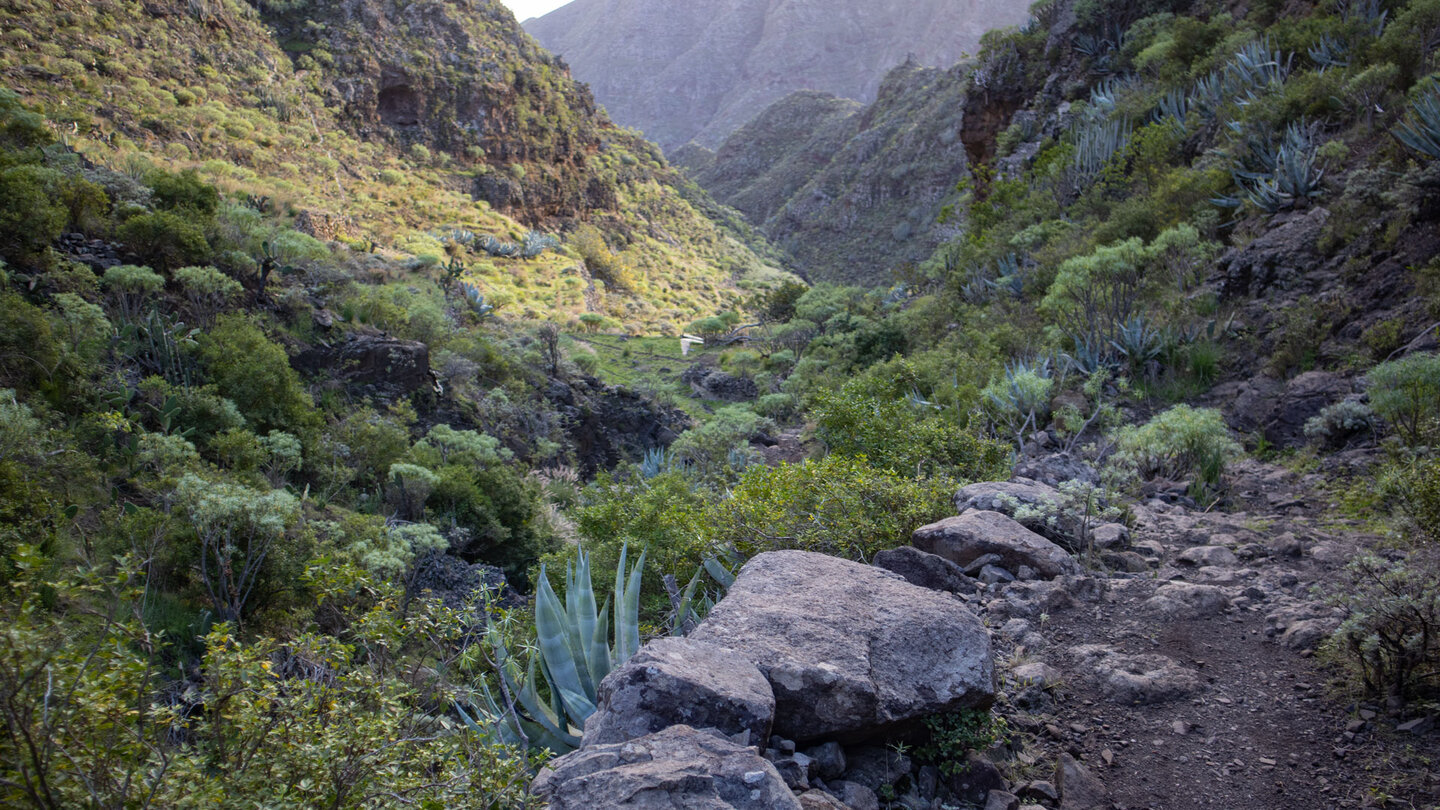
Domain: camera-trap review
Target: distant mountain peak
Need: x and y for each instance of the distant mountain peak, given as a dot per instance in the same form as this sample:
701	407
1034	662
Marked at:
699	70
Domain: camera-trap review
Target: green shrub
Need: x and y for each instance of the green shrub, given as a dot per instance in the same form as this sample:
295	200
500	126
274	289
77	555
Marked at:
873	419
30	219
1391	635
1406	393
721	445
208	289
165	239
252	371
1179	442
1340	422
240	531
839	505
184	193
1412	488
779	407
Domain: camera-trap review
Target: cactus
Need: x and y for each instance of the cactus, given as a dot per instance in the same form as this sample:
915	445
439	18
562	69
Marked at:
1096	143
1421	128
656	461
574	655
1173	108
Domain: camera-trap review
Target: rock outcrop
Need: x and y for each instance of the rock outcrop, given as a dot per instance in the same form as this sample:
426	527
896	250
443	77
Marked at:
712	383
609	424
371	365
677	767
900	653
681	681
697	71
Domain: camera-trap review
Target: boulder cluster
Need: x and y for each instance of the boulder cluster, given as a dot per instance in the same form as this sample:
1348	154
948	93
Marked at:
788	693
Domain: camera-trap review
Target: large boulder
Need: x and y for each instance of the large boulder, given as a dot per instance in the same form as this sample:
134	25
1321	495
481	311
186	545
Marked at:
1304	397
964	539
679	767
851	651
681	681
1036	506
608	424
1005	496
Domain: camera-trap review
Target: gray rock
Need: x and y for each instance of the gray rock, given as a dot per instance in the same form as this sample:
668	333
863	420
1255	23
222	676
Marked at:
1079	789
1001	800
1037	672
820	800
995	575
681	681
371	365
974	782
1187	600
829	760
1127	561
850	650
857	796
969	536
1279	257
1040	790
875	766
1308	634
926	570
1208	555
1110	536
1137	679
1003	496
677	767
1304	397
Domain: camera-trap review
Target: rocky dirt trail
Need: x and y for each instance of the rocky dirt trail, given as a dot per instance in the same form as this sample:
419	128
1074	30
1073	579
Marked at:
1190	679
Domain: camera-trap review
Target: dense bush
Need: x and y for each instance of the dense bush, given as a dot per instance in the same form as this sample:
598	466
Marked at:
839	505
1180	442
1406	393
1391	635
873	419
254	372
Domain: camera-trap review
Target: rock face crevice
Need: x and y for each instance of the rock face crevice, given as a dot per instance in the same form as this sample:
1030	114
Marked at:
699	70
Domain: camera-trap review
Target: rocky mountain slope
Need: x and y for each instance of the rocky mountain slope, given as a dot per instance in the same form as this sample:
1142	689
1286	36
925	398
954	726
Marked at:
388	124
853	192
697	71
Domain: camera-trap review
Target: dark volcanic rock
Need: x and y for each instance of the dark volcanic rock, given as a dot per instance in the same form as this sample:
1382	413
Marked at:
926	570
608	424
371	365
712	383
965	539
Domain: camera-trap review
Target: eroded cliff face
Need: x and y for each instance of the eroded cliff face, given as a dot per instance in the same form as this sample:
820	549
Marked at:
699	70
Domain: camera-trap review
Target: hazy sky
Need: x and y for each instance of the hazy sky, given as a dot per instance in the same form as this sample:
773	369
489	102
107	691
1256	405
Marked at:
525	9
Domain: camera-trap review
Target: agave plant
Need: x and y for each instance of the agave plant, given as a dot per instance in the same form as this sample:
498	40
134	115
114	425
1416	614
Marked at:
1096	143
1138	342
574	653
1256	69
1172	109
1329	52
537	243
1421	128
476	300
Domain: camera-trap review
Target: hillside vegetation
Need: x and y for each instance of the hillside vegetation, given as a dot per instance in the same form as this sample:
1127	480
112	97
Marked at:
389	126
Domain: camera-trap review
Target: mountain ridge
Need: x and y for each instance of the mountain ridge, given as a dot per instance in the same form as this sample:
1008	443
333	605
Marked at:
700	72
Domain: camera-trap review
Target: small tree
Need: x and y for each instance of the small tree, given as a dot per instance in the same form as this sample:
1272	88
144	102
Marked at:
238	527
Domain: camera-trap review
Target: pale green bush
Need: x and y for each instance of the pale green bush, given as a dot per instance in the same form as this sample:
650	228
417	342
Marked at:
1176	443
131	286
1406	393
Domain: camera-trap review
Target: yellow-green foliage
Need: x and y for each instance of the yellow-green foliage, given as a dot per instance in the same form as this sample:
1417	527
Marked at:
1178	442
839	505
